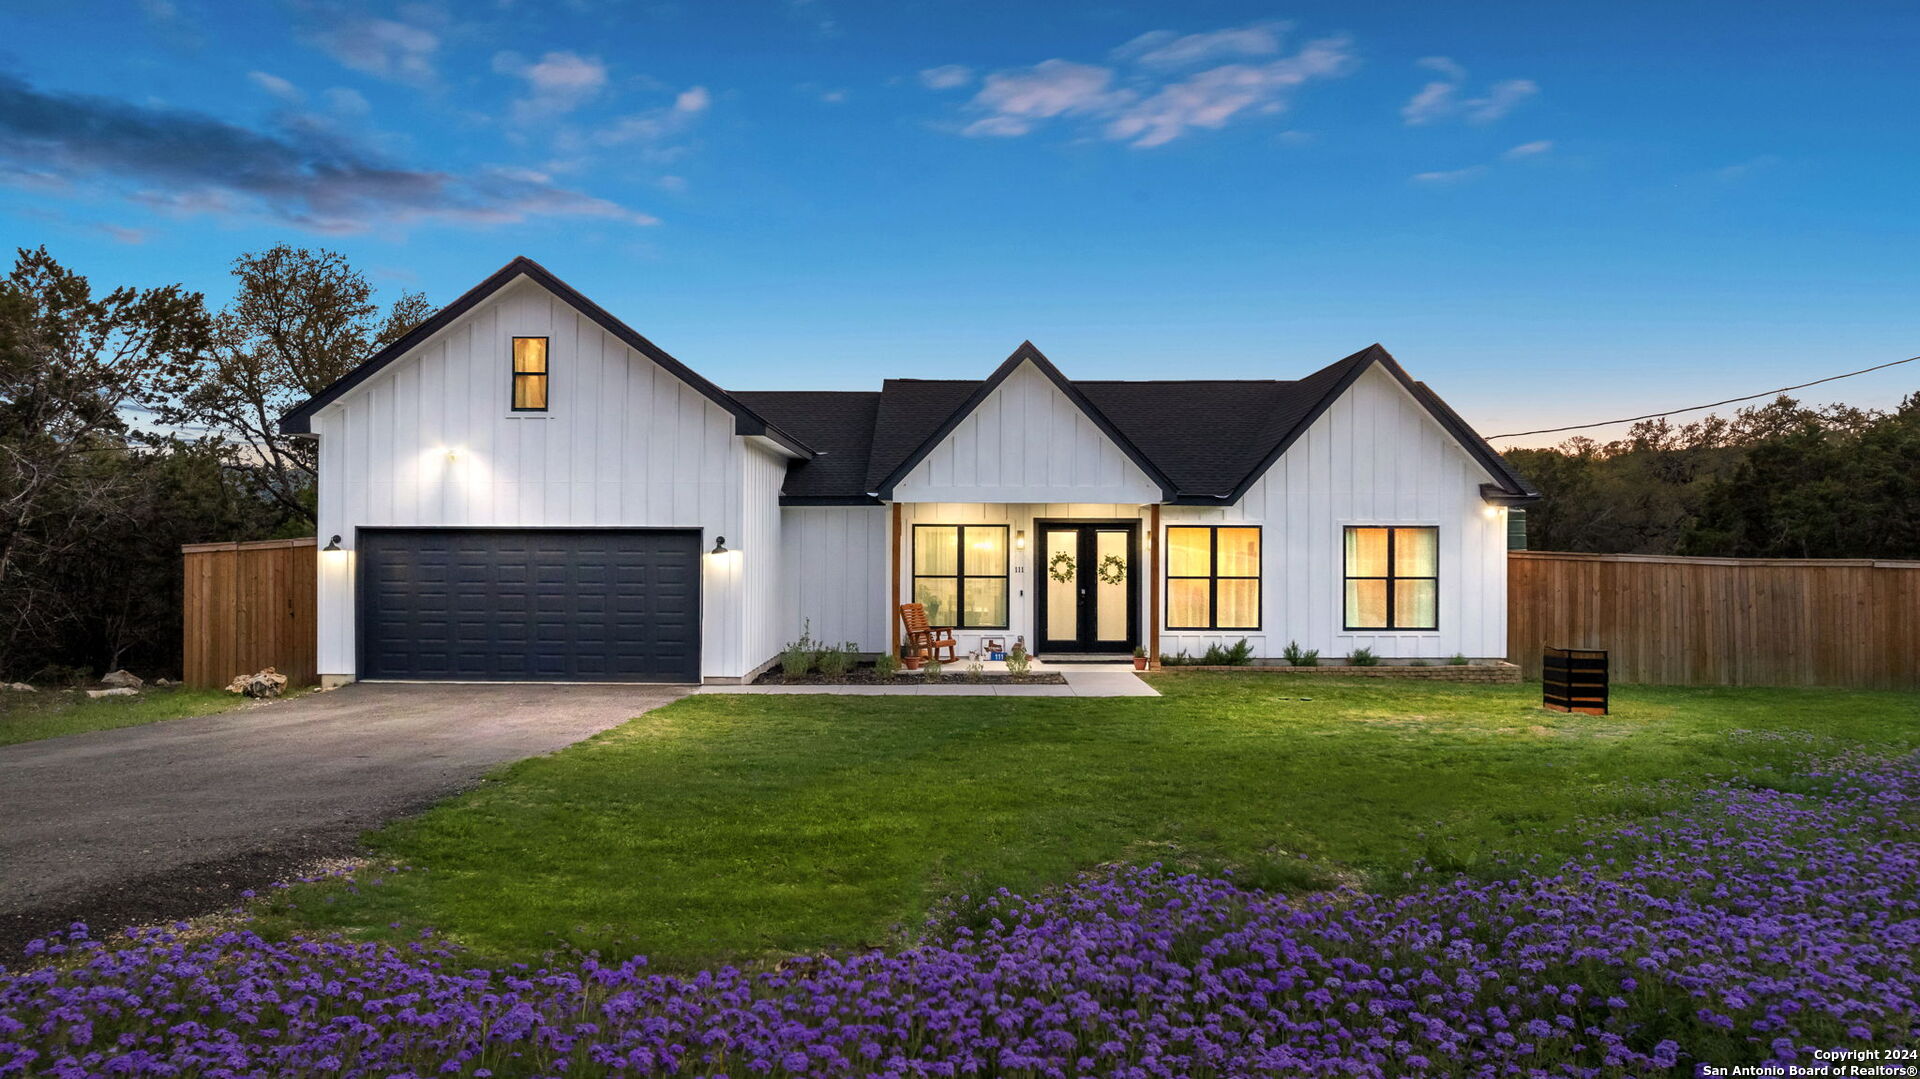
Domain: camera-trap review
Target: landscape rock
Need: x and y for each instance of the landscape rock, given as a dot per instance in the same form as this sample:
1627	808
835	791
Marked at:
162	683
117	691
122	679
266	683
20	687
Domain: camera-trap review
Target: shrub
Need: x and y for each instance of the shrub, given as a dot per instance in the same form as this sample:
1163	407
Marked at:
1363	657
1458	659
932	667
798	657
1297	656
836	660
1018	662
886	665
1179	660
976	671
1239	655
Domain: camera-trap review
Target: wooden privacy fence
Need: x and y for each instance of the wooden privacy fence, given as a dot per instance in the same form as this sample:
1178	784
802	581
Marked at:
248	606
1721	621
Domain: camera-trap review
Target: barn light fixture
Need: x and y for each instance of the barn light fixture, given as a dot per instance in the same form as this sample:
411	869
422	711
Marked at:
332	544
719	545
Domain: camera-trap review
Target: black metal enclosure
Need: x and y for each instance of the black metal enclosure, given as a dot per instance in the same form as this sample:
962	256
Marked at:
528	605
1574	680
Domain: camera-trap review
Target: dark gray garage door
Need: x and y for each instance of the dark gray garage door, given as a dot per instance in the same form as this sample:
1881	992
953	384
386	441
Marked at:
538	605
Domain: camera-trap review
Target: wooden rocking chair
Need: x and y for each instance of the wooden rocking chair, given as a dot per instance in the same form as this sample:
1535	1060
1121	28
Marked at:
925	640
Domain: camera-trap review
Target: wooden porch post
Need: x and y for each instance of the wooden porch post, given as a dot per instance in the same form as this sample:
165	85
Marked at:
893	583
1153	585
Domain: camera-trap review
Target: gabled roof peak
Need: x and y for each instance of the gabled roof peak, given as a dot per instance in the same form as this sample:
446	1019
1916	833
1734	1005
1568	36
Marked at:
746	421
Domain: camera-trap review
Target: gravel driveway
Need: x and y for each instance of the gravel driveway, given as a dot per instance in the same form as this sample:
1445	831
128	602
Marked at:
172	819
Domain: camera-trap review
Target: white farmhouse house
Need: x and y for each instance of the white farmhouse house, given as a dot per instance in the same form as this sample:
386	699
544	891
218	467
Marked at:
525	489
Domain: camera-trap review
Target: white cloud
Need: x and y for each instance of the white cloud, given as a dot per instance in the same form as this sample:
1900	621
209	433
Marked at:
1164	48
1138	103
695	99
1529	149
1443	99
1742	170
383	48
1211	98
346	102
654	125
1445	66
557	83
1451	176
277	86
1016	100
946	76
1505	96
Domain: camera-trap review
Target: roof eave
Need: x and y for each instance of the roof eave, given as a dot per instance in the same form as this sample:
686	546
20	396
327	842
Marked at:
299	421
1508	482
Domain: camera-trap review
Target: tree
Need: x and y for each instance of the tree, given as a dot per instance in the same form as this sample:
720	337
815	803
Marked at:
71	366
1775	480
300	320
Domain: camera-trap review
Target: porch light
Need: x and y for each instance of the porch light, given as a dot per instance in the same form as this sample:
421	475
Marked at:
332	544
719	545
1020	539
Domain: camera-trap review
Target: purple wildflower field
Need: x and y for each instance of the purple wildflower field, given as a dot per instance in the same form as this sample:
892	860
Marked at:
1756	925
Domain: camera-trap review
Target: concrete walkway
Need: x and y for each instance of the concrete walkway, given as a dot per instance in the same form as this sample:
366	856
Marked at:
1083	680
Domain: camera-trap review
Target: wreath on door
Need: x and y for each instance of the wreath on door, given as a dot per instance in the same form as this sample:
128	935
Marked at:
1061	568
1113	570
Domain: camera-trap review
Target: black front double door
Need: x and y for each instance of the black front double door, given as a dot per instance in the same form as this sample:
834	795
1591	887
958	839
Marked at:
1087	601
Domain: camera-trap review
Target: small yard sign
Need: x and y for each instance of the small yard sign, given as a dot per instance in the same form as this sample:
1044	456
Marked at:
1574	680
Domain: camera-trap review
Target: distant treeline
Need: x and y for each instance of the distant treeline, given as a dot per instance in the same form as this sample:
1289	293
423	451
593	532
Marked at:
135	420
1779	480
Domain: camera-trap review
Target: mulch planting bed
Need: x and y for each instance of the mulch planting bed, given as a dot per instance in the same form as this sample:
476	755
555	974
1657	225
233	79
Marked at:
951	675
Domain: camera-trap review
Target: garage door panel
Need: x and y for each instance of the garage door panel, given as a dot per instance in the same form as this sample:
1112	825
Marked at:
529	605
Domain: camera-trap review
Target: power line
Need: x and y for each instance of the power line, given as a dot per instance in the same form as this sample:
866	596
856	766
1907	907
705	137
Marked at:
1715	404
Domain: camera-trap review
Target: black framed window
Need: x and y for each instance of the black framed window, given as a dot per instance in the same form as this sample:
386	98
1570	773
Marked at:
529	374
960	574
1213	577
1393	577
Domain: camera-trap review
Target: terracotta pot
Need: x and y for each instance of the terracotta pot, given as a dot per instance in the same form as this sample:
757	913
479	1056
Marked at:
912	663
1139	663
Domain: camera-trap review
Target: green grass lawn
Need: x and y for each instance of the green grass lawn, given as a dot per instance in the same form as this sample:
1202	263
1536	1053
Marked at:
739	827
27	717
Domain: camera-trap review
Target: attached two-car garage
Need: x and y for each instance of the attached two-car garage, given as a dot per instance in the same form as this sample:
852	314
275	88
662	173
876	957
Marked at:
529	605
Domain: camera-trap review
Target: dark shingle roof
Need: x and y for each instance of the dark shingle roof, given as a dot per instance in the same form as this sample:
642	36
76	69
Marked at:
910	410
1210	439
837	425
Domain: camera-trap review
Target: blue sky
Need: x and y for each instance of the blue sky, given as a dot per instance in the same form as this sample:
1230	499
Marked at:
1550	212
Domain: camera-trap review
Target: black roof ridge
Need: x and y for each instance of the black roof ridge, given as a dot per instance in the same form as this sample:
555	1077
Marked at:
1026	353
1174	381
737	390
746	420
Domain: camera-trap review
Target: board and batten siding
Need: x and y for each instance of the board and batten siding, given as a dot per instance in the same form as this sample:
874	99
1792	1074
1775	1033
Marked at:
1375	457
432	441
761	544
1026	443
835	575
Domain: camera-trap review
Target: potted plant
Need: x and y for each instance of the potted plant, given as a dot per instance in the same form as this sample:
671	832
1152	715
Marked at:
1139	659
912	660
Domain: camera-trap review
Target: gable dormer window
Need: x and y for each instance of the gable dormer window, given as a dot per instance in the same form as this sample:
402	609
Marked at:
529	374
